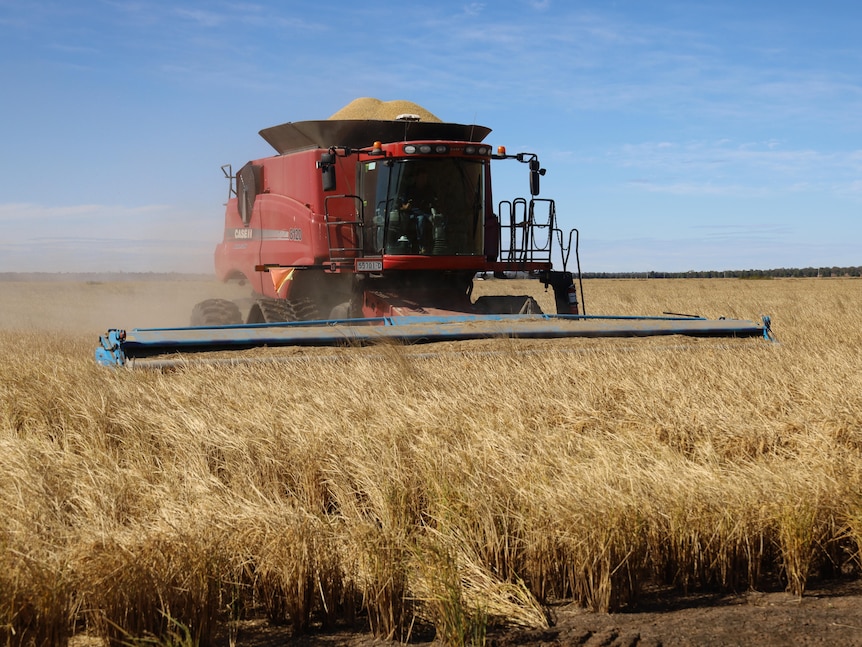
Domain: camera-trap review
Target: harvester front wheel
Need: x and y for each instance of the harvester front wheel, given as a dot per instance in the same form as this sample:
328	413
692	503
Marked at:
216	312
276	310
305	310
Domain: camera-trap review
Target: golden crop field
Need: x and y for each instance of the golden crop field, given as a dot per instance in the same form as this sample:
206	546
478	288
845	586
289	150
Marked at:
456	485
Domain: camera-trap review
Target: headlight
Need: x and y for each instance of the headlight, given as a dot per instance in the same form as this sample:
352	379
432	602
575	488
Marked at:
472	149
426	149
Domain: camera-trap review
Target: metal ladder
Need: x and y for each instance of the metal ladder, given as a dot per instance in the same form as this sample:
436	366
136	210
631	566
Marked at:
339	255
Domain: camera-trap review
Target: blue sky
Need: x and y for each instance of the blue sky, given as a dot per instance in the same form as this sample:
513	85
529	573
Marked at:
677	135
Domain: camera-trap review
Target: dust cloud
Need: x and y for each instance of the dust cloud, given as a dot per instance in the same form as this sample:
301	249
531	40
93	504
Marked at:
82	304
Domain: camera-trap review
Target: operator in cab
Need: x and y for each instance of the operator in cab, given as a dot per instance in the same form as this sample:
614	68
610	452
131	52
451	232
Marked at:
419	204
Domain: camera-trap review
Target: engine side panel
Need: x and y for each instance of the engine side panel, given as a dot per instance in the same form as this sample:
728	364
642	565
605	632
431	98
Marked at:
284	204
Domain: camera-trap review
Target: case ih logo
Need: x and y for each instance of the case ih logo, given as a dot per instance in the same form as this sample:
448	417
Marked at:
246	233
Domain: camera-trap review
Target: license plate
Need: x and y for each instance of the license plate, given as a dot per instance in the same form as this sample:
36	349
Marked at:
369	266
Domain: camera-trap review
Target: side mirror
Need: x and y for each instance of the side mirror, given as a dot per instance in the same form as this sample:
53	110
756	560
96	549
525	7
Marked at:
535	173
327	171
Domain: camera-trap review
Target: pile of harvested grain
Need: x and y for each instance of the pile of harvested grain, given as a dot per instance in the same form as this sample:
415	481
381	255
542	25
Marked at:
369	108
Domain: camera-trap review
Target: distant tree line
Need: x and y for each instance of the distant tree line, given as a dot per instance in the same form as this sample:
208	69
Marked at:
781	272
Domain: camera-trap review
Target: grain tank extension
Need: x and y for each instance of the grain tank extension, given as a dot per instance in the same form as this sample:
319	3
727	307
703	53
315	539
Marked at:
361	229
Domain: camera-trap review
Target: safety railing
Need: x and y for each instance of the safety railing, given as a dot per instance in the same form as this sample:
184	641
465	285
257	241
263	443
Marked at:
526	235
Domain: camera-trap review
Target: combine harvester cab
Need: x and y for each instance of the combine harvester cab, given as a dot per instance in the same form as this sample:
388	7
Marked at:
363	230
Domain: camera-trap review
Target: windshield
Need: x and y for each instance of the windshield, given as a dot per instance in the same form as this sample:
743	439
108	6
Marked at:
429	207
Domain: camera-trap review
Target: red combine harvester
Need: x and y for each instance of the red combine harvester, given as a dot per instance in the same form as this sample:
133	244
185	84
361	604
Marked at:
368	219
365	229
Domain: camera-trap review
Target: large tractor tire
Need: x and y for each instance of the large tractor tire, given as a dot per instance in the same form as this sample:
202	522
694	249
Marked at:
279	310
305	310
216	312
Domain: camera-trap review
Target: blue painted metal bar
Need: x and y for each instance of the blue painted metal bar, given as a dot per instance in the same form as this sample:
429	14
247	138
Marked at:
117	347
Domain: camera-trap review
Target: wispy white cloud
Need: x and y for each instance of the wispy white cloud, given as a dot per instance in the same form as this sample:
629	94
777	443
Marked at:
705	189
744	169
201	17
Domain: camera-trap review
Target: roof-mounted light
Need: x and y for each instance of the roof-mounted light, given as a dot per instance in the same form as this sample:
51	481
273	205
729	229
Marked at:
426	149
473	149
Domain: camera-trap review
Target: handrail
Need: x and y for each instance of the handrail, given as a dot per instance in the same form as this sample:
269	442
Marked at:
357	225
522	229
